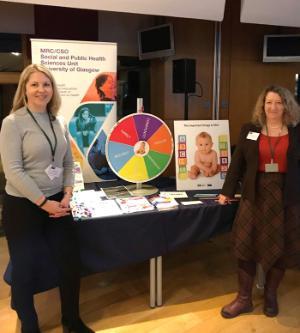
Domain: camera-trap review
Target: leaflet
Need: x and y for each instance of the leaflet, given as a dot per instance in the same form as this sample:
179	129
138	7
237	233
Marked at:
134	204
89	204
162	203
176	194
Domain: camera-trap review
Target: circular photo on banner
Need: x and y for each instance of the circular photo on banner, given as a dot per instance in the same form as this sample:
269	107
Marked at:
139	147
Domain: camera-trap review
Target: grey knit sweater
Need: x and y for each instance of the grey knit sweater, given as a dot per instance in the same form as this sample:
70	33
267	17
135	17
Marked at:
26	153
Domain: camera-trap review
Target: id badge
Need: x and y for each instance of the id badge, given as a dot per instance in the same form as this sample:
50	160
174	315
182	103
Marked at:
253	136
53	171
271	167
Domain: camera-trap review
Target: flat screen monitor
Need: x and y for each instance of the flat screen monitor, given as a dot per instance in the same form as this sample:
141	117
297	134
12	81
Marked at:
156	42
281	48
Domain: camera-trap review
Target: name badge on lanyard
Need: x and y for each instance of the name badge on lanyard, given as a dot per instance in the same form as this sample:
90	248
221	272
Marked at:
271	167
53	171
253	136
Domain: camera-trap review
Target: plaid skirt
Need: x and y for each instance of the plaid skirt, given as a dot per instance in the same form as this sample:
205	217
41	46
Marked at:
265	231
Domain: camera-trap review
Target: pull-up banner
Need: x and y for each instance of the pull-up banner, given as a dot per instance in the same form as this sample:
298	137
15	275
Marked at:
85	73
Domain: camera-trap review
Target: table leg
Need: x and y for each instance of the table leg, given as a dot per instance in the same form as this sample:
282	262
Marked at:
159	281
152	283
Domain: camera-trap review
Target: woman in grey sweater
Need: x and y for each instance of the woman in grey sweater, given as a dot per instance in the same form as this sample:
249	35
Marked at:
38	166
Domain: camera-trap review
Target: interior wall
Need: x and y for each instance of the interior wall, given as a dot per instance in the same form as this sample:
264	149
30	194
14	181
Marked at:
65	23
122	29
193	39
244	73
16	18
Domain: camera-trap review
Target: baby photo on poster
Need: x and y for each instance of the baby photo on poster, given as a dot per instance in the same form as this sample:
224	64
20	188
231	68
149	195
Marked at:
202	153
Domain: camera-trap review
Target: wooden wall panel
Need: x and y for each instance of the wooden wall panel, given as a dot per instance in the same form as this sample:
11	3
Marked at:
247	81
243	74
248	74
66	23
193	39
225	63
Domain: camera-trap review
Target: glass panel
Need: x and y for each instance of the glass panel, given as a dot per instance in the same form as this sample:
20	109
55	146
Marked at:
7	92
11	59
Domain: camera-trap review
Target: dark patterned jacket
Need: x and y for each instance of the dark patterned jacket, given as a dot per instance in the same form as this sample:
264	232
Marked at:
244	166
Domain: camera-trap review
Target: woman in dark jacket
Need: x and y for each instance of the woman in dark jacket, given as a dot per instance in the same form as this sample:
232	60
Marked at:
266	229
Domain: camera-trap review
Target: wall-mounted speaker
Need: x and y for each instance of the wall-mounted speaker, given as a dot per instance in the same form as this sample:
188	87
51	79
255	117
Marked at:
184	76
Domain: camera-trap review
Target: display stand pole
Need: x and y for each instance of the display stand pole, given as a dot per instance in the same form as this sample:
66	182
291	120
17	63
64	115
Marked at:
139	188
139	109
139	105
186	106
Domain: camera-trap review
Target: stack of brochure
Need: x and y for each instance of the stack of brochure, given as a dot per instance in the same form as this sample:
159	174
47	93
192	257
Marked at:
134	204
163	202
78	181
90	204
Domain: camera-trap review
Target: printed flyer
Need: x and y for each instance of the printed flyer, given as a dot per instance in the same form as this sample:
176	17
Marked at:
202	154
85	73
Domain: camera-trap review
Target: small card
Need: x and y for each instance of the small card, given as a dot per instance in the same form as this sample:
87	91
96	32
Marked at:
177	194
53	171
271	167
193	202
253	135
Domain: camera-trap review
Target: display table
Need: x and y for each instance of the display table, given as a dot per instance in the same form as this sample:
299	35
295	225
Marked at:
110	242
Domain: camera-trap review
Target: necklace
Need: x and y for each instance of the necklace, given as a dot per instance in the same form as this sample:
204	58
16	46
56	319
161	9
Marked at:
274	131
275	127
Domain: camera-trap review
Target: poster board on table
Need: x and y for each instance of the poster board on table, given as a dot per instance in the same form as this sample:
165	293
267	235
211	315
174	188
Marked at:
85	73
202	154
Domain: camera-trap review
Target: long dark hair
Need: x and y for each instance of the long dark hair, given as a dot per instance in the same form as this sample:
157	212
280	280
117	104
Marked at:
100	80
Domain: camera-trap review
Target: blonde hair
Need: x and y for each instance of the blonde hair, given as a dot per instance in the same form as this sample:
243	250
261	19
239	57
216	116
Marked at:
203	135
20	98
291	113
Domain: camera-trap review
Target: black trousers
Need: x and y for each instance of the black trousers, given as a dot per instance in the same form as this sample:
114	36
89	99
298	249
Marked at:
27	229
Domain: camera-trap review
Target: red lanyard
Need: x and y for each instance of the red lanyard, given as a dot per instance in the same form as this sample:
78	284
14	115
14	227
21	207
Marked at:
272	149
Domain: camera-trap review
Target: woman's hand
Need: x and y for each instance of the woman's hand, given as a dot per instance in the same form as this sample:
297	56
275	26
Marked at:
56	208
223	199
65	202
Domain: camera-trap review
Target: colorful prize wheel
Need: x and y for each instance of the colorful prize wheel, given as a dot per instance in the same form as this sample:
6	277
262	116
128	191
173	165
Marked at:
139	147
